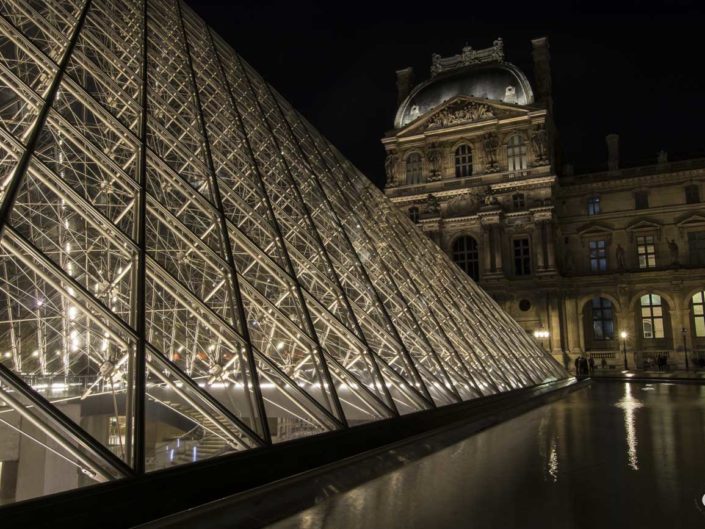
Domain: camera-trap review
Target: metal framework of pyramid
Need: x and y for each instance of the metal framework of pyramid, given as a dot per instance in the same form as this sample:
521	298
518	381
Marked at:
187	268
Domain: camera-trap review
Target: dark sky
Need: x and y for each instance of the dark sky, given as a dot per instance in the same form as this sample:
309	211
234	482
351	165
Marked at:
634	68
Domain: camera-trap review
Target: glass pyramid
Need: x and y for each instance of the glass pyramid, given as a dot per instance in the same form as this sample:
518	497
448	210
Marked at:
188	269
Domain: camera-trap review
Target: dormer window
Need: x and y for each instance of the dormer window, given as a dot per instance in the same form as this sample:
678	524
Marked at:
414	168
463	161
516	153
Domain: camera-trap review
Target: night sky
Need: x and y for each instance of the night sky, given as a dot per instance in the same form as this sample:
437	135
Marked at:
633	68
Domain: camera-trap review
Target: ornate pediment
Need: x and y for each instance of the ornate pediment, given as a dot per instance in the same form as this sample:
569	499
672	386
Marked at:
644	226
460	112
594	230
690	221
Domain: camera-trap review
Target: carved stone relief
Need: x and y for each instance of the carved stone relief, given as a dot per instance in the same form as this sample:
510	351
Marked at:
539	144
490	144
461	112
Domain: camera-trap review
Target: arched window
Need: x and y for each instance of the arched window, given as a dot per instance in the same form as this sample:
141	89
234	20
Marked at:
516	153
651	316
414	168
602	319
698	302
466	256
414	214
463	161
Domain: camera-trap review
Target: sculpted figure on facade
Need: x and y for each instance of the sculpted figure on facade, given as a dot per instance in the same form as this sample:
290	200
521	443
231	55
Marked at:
673	248
462	112
435	162
490	143
619	255
539	143
433	206
390	168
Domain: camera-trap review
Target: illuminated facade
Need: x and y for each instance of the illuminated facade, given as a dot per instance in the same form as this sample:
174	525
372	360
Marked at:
577	260
188	269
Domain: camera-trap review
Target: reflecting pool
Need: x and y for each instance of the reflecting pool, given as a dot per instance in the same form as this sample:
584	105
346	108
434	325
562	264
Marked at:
609	455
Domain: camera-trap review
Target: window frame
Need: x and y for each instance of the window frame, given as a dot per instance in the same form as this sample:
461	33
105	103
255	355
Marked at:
646	251
692	194
652	314
593	205
463	160
414	168
641	200
517	153
696	255
597	254
414	214
697	309
521	253
518	201
602	314
467	257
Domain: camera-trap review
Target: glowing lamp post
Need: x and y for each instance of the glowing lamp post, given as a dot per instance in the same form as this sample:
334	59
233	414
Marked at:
623	335
684	331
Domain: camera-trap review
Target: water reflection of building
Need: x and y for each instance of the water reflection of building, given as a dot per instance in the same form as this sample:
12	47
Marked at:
472	159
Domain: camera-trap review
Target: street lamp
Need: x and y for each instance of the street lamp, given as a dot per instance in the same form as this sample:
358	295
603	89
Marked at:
623	335
685	350
541	334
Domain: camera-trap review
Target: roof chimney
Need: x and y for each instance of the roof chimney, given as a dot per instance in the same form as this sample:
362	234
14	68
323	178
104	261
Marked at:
662	157
542	71
612	151
405	82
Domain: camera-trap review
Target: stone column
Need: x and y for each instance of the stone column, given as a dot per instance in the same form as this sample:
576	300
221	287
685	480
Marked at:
574	325
487	256
497	238
538	246
550	246
679	320
554	325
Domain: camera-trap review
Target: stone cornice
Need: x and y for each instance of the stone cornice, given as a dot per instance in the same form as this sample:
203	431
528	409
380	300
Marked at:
436	188
629	183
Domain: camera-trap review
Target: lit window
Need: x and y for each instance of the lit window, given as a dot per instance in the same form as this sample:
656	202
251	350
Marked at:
522	257
692	194
518	201
466	256
651	316
516	153
593	205
646	251
598	256
414	167
696	247
414	214
463	161
641	200
602	319
698	301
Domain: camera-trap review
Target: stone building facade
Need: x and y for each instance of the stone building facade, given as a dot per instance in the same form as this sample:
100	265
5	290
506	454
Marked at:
609	264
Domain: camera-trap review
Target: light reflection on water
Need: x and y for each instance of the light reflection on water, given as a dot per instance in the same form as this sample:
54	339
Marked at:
630	405
610	455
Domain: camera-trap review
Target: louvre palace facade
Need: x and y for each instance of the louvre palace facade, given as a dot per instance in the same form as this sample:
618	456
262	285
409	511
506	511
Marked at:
609	264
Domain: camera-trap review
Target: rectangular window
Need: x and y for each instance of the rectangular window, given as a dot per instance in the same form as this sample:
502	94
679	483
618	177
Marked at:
598	256
522	257
696	247
641	200
593	205
646	251
518	201
692	194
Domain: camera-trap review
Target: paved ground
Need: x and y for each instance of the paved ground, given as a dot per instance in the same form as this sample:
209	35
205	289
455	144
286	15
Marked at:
610	455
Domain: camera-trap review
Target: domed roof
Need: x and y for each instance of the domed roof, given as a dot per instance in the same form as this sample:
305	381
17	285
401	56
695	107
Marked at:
501	81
